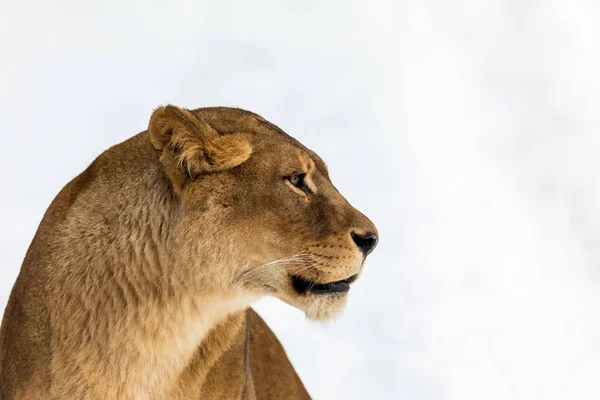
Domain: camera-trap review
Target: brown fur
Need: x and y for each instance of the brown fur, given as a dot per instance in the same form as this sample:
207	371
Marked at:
138	281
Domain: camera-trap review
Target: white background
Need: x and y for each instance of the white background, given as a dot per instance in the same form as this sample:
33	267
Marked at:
468	131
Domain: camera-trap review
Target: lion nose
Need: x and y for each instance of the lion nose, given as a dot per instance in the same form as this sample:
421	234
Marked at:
366	242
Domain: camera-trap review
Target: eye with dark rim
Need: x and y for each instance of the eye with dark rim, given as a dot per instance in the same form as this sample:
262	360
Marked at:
298	181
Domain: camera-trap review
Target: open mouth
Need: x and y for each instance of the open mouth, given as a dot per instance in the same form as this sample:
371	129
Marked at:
303	286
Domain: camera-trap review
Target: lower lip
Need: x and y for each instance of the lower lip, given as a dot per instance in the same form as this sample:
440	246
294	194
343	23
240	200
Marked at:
303	286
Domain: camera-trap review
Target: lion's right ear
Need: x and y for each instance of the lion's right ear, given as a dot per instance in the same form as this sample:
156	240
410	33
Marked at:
190	147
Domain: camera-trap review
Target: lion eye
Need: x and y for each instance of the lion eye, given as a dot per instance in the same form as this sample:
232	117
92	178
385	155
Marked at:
299	182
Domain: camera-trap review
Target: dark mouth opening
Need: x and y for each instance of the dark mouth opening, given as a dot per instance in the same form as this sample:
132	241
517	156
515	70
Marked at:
303	286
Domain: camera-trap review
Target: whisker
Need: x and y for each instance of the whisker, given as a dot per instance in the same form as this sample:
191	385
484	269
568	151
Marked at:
262	269
303	264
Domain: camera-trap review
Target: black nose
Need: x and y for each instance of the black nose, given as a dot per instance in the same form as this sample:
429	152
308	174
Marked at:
366	242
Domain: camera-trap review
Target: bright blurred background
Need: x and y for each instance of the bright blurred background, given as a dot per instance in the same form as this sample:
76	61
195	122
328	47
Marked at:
468	131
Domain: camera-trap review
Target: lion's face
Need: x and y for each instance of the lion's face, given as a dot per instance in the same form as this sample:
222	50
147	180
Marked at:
276	216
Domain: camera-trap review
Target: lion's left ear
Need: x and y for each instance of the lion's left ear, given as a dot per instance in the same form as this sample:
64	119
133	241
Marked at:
191	147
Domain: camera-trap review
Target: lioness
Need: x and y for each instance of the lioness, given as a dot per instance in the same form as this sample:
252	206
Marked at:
138	282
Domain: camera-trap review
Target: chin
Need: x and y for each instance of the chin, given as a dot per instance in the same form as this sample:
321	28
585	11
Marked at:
324	308
320	303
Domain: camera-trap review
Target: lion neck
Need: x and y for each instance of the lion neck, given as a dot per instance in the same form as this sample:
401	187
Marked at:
136	319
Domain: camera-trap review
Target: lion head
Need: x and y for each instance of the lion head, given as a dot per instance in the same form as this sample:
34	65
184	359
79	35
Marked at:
260	208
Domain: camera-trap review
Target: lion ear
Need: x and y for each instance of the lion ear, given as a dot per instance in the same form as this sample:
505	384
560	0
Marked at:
190	147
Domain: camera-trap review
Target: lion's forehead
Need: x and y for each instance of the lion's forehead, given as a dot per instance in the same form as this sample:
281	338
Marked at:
226	120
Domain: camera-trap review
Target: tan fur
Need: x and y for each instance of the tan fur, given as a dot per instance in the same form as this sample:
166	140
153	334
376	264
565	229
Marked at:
138	282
